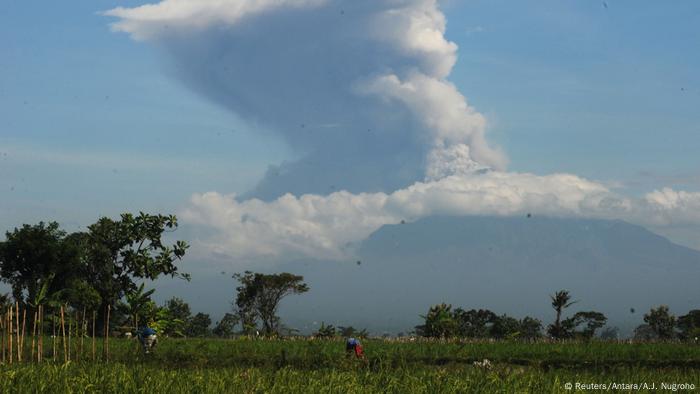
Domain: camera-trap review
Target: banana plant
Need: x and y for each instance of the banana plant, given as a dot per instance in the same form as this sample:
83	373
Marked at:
43	294
137	303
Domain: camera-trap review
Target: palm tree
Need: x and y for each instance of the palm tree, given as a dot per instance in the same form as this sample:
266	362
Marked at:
560	301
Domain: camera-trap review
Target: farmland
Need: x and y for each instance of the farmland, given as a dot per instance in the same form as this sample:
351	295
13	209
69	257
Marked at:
305	365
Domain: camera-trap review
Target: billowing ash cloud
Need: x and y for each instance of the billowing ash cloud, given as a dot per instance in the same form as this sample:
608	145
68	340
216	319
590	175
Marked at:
358	87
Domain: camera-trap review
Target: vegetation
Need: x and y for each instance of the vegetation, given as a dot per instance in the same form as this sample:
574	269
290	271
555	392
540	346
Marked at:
71	293
442	322
661	322
304	365
259	295
560	330
90	270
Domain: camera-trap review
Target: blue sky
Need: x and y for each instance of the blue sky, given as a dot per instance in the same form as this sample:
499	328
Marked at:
93	123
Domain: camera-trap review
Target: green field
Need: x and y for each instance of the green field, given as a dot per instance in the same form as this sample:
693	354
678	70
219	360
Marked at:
302	365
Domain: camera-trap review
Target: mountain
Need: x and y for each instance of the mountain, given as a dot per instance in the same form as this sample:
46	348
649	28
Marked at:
509	265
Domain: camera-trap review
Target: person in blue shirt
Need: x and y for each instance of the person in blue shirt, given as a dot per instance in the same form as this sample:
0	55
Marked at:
354	345
147	337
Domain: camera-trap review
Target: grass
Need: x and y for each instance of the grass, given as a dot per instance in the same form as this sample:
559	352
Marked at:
302	366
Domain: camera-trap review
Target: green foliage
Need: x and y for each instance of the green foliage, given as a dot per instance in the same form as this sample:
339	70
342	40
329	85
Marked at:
592	321
79	294
137	305
439	322
442	322
259	295
505	327
530	328
662	322
561	329
165	324
226	327
326	331
310	366
644	332
352	332
178	308
689	325
474	323
198	325
119	251
89	270
36	258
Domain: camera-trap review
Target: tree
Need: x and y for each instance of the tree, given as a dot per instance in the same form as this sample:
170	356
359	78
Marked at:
644	332
198	325
610	333
689	325
178	308
505	327
661	321
560	301
175	315
351	331
474	323
259	295
326	331
164	323
439	322
530	328
137	305
226	326
34	255
592	320
119	251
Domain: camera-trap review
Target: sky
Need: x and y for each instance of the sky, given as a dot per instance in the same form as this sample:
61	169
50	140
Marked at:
366	113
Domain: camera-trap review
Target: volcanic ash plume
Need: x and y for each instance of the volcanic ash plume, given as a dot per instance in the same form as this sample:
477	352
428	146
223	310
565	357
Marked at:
360	89
357	87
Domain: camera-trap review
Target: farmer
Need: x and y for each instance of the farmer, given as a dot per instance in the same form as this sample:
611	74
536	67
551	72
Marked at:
354	345
147	337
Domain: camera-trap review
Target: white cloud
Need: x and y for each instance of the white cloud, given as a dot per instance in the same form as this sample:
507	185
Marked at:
668	206
325	226
152	21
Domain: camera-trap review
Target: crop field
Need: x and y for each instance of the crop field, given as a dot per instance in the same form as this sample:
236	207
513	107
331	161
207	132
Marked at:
304	365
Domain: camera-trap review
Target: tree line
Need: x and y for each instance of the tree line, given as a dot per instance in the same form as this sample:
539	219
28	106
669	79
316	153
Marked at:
102	269
442	321
91	270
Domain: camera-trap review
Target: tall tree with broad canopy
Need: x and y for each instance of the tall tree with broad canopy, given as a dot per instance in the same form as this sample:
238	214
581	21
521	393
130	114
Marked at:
530	328
474	323
198	325
689	325
259	295
117	252
591	320
37	256
661	321
226	327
